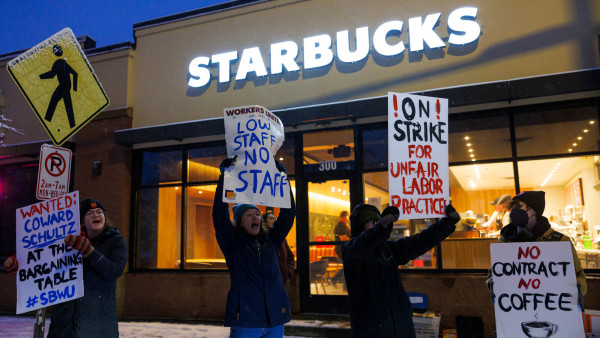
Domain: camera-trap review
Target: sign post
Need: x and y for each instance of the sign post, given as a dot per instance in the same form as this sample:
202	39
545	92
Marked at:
54	172
59	84
254	135
418	155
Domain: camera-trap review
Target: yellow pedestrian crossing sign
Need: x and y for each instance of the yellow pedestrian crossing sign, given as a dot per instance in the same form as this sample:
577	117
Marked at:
59	85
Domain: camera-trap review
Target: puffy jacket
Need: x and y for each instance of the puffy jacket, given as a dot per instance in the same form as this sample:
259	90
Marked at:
379	306
94	315
257	297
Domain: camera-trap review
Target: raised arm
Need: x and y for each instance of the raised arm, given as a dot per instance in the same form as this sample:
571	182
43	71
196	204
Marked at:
379	233
285	221
222	223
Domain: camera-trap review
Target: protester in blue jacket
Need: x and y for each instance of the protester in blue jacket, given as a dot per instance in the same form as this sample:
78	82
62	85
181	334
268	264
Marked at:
257	303
379	306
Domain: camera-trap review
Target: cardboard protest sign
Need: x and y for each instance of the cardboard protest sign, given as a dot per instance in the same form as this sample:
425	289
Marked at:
418	155
535	289
255	135
50	272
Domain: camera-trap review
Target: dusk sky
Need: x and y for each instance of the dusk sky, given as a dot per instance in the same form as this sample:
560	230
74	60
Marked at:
24	24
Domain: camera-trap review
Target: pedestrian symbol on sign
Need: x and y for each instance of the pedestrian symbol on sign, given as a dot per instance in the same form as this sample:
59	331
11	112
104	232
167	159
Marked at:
62	71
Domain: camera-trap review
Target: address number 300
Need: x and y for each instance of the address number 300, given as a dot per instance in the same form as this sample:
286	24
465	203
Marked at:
327	165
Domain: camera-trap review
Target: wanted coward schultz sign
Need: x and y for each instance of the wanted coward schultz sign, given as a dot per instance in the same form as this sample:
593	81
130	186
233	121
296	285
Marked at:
535	290
418	155
50	272
254	135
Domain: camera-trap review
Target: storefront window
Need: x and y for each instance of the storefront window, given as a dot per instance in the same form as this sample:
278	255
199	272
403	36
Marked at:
159	228
478	138
571	191
160	167
203	163
481	194
557	130
328	151
375	148
377	194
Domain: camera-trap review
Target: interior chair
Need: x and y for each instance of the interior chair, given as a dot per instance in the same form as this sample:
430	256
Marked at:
318	270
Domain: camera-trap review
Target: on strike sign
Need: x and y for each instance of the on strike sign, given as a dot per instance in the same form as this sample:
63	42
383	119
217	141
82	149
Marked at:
50	272
418	155
54	172
535	289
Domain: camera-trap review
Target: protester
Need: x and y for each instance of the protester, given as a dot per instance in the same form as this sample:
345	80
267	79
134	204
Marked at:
104	254
379	306
286	256
257	303
528	225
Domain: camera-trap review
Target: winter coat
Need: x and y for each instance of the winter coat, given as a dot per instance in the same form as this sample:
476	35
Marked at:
379	306
257	297
542	232
94	315
286	261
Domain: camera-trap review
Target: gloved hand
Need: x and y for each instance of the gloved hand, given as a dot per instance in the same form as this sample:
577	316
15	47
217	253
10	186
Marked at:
579	297
391	210
226	163
451	214
280	167
492	294
80	243
11	265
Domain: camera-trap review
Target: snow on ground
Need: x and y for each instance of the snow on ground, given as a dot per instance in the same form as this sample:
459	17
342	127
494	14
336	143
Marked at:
19	326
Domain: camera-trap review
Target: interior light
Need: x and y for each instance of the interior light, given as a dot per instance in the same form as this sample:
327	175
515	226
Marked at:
546	180
366	199
592	122
176	188
332	189
585	130
470	150
558	164
472	184
472	155
344	193
200	191
466	137
339	190
570	150
468	144
473	160
574	144
281	158
579	137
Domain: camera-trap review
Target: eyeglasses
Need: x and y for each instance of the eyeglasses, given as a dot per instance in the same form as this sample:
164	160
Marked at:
98	212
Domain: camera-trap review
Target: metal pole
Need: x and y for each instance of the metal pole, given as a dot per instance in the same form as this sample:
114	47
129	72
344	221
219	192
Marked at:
40	323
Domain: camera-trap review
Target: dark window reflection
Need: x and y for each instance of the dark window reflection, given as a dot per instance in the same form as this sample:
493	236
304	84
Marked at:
375	148
161	167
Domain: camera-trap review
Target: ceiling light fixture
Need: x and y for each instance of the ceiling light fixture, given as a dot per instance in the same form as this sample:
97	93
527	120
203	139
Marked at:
466	137
547	179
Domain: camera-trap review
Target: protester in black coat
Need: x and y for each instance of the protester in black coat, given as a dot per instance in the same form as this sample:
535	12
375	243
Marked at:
104	254
379	306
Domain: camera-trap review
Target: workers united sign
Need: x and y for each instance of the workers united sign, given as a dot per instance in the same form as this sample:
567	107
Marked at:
59	84
254	135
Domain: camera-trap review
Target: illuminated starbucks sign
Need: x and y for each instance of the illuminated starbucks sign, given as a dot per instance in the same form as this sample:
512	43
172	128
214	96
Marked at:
317	51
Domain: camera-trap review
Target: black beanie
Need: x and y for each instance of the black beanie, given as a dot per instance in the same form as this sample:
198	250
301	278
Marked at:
536	200
361	214
88	204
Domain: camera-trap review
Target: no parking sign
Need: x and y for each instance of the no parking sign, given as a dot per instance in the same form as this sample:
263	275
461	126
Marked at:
54	172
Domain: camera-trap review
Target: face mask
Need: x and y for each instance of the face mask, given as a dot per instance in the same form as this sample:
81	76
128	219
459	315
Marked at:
519	217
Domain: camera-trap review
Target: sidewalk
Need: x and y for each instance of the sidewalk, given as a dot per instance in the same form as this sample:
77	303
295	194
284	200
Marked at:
21	326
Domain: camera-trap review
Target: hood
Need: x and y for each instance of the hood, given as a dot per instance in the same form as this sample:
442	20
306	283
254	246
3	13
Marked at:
361	214
536	200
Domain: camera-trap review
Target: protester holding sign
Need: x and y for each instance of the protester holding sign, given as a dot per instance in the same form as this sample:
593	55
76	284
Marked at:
379	306
528	225
257	303
104	253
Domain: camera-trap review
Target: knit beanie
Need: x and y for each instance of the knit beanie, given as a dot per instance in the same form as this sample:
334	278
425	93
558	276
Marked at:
361	214
240	209
88	204
536	200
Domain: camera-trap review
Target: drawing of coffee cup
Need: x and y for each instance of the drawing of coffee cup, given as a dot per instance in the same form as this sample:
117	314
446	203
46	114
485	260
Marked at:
535	329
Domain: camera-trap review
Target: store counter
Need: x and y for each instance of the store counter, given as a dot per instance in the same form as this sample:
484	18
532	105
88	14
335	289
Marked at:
590	259
466	253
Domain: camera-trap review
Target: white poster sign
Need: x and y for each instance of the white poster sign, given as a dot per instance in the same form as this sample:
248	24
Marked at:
54	172
50	272
418	155
254	135
535	289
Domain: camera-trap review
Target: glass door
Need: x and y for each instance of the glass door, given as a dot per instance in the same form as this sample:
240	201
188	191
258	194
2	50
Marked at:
328	228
